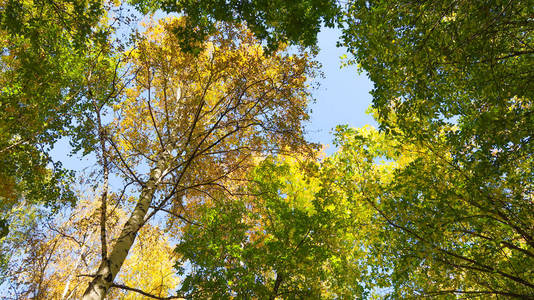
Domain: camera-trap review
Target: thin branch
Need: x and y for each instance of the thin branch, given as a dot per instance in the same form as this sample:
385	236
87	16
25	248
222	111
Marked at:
179	216
149	104
476	264
502	293
124	162
124	287
87	275
14	145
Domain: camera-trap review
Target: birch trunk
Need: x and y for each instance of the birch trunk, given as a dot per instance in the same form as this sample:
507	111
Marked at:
109	267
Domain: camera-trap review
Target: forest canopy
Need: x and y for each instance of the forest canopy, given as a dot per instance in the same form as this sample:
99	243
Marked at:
203	184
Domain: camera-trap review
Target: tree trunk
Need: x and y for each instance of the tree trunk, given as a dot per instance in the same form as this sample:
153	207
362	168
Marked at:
109	267
277	283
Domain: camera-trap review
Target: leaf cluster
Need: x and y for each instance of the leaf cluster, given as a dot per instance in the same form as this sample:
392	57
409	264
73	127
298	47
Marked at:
276	22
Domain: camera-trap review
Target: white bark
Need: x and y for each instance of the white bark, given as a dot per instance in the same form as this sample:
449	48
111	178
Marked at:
66	294
109	268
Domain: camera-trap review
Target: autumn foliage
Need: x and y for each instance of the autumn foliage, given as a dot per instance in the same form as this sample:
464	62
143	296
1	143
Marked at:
202	184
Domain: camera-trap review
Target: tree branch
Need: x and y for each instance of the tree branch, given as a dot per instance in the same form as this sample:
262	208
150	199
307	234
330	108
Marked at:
124	287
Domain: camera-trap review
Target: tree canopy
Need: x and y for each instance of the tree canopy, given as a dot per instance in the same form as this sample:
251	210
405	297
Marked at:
188	125
47	47
454	78
275	22
441	233
294	233
204	185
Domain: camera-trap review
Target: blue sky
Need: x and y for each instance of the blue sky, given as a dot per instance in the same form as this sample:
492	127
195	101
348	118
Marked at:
343	95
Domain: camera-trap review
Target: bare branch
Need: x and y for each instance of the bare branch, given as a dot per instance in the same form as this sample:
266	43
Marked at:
124	287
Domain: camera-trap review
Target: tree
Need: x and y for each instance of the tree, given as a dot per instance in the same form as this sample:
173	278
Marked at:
189	125
442	63
45	50
63	252
438	233
292	233
453	78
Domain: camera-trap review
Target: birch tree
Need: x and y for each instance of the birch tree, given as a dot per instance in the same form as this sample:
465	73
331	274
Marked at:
62	252
189	125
